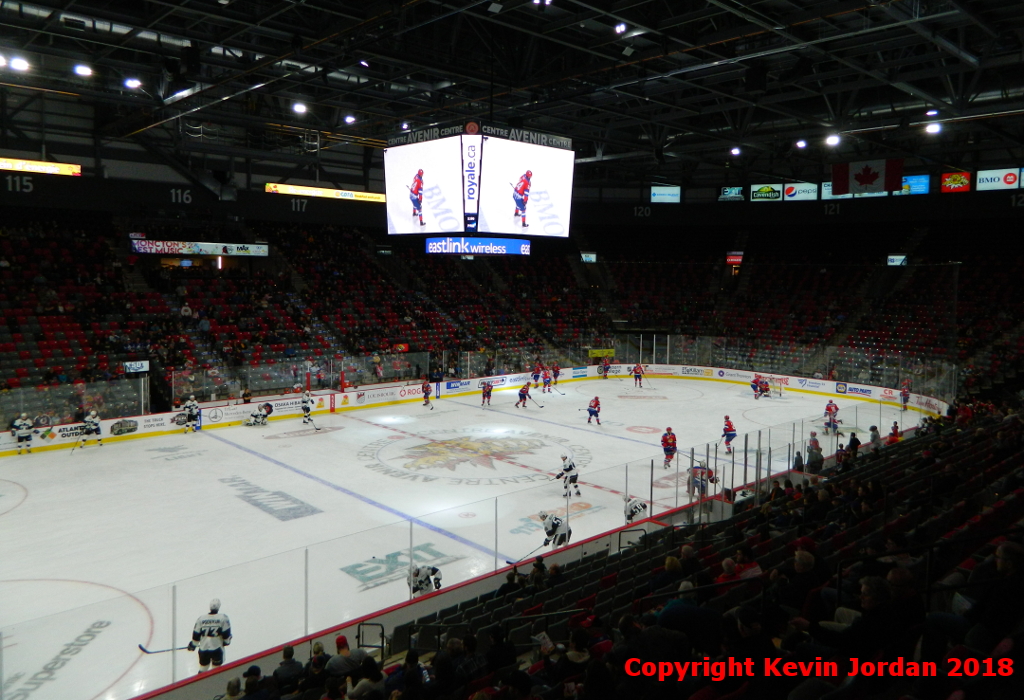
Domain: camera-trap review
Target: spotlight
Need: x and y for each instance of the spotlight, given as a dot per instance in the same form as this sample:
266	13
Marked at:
735	151
405	126
350	119
132	83
620	28
801	144
299	108
83	70
832	140
364	64
932	113
933	128
19	64
3	62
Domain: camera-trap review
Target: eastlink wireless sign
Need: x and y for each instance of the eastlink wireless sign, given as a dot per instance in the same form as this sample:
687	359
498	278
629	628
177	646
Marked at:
479	246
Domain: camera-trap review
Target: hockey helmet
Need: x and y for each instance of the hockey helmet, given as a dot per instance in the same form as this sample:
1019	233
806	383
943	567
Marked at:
668	430
93	414
543	515
595	398
191	397
813	434
625	497
565	457
529	173
24	415
420	171
307	394
215	605
727	417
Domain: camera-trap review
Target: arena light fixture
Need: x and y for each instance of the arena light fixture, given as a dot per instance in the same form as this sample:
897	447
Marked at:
932	113
83	70
494	7
350	119
3	62
735	150
933	128
801	144
299	108
620	28
364	64
405	126
832	140
132	83
19	64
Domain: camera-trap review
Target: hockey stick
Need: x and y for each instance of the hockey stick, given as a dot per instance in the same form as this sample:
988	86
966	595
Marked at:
535	401
516	563
313	424
160	651
558	390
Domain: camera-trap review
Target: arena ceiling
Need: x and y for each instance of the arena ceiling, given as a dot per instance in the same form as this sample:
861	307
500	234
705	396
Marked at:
649	90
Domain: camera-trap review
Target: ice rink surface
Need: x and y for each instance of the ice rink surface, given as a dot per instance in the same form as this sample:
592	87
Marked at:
109	548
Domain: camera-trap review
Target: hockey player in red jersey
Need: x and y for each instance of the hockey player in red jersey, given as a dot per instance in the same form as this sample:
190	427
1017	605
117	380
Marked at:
904	397
546	378
521	195
668	444
524	394
764	389
486	390
426	393
729	433
605	365
755	387
537	371
556	372
416	195
638	375
594	410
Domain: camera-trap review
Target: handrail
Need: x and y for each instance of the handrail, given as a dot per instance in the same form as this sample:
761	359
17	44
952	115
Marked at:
359	637
622	532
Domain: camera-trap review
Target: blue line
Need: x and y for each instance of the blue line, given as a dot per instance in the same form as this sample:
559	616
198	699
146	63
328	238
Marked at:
562	425
364	499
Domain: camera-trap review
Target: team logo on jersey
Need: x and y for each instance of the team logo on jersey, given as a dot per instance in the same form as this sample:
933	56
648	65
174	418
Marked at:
395	566
471	456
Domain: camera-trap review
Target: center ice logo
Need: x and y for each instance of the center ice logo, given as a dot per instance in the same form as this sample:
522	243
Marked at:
480	452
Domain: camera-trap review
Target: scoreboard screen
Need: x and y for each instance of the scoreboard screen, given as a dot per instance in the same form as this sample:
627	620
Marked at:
479	180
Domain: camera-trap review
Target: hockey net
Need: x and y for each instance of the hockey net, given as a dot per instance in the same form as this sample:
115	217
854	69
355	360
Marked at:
775	388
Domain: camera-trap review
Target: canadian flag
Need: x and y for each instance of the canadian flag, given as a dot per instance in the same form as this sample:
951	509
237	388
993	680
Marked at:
868	176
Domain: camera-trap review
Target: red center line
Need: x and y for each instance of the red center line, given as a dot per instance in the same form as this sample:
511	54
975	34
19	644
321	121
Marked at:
483	454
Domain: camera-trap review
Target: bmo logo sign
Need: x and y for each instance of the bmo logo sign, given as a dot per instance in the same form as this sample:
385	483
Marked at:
1004	179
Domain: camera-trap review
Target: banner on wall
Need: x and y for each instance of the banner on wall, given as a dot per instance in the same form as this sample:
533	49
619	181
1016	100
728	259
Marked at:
601	352
196	248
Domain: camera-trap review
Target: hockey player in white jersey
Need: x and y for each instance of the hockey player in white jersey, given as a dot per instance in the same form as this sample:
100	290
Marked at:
210	635
700	477
570	473
633	508
23	428
307	407
191	409
259	416
557	531
91	426
423	580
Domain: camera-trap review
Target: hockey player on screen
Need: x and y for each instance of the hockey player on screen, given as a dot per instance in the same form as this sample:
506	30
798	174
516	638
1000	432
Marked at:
524	395
485	393
668	444
91	426
22	428
729	433
557	531
570	473
633	508
212	632
594	410
191	409
556	372
546	378
638	375
426	393
416	195
521	195
307	407
424	579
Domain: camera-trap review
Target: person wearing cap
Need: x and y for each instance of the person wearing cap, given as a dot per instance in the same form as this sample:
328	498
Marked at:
255	684
289	672
347	661
212	632
318	651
